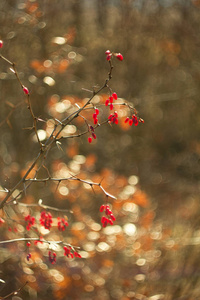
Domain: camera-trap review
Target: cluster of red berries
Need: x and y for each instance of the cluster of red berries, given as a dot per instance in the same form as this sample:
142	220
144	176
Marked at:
119	56
109	101
30	220
52	257
133	120
68	252
95	118
62	223
113	118
109	218
92	133
46	220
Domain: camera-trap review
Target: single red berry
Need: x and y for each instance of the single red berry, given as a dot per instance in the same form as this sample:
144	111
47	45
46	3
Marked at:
108	211
107	52
110	222
105	223
130	122
111	106
1	221
96	111
127	119
114	96
1	43
119	56
135	120
94	135
112	217
26	91
108	57
76	254
111	99
28	244
102	208
95	121
90	139
107	102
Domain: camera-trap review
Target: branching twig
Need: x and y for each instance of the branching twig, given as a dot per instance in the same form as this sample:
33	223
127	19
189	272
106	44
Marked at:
54	137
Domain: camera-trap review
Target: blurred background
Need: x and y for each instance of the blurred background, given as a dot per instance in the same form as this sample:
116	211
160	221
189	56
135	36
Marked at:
153	169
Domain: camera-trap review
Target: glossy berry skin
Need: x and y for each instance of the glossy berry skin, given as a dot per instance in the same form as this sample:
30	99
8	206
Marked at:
119	56
107	52
26	91
1	43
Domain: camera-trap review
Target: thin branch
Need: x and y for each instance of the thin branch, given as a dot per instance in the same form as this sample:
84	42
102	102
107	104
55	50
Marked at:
39	204
15	292
73	177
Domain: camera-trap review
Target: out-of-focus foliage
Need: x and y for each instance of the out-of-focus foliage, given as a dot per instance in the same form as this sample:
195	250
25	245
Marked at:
58	47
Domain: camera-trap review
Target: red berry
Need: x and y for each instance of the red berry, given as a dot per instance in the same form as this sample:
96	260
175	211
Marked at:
90	139
111	106
127	119
76	254
111	222
114	96
135	120
119	56
26	91
28	244
111	99
108	57
107	52
1	43
112	217
105	223
107	102
1	221
102	208
94	135
130	122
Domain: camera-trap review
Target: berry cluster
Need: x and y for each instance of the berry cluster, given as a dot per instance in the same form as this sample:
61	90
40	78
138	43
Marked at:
109	218
113	118
95	118
68	252
52	258
30	220
62	223
119	56
133	120
91	128
46	220
109	101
